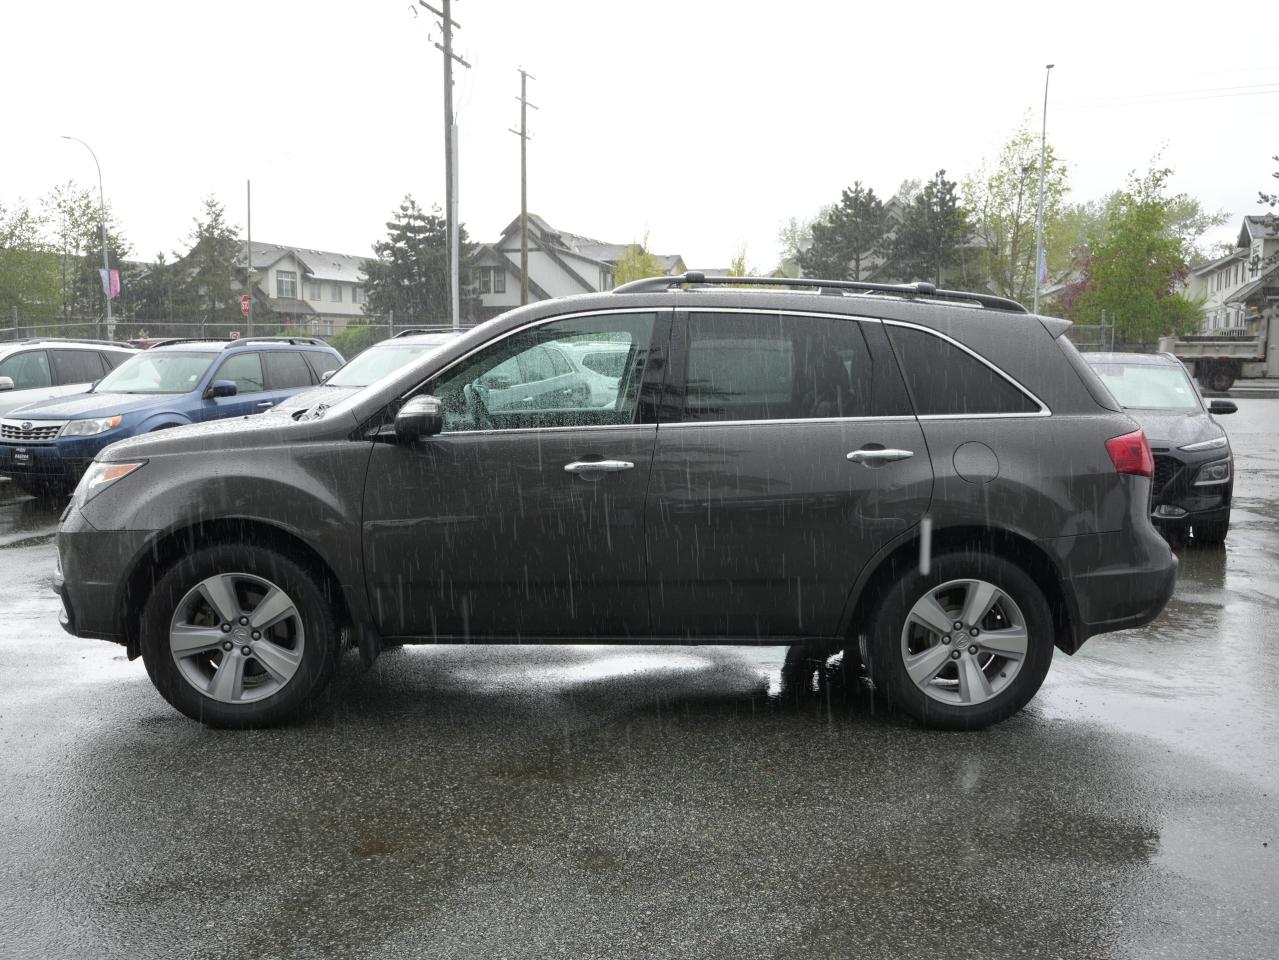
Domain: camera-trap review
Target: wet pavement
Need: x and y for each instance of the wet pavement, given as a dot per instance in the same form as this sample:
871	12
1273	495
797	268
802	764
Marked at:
656	802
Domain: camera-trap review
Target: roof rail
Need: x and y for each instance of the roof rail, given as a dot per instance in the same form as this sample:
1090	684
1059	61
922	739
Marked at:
105	343
926	291
171	340
418	331
303	341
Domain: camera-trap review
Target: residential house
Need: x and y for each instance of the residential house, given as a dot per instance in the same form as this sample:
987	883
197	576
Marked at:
1238	287
318	290
560	264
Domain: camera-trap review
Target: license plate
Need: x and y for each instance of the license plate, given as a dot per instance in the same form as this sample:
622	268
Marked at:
21	455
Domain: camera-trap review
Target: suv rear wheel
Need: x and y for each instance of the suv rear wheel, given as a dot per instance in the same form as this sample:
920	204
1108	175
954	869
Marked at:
964	646
238	636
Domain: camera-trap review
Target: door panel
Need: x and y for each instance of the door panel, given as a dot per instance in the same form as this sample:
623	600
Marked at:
758	521
487	535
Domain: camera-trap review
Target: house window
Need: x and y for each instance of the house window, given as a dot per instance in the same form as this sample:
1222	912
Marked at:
486	280
313	291
335	293
606	279
491	280
499	280
357	295
286	284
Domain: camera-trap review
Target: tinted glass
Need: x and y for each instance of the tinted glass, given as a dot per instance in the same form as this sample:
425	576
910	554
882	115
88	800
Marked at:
27	370
77	366
113	358
157	373
945	380
245	369
494	390
1149	386
775	367
287	370
322	363
559	365
376	362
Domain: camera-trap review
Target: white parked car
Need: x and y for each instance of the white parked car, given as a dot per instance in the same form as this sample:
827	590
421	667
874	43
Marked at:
32	371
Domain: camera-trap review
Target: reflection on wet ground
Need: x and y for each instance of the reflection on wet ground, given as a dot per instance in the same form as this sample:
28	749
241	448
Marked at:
654	802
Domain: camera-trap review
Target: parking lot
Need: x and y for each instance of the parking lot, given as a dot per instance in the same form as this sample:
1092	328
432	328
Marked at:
656	802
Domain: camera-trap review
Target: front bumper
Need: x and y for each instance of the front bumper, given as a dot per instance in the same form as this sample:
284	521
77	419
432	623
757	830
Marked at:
59	464
88	578
1175	501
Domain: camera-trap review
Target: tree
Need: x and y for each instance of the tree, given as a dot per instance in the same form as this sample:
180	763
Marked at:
29	276
408	278
73	219
932	232
794	236
636	263
213	278
1257	263
1004	202
849	239
738	267
1134	269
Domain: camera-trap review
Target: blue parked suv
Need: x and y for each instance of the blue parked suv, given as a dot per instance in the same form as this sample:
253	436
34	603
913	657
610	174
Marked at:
45	447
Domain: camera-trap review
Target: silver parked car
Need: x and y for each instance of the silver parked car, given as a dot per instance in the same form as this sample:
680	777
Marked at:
32	371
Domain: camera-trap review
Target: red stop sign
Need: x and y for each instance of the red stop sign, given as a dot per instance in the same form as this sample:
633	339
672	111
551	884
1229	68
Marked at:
244	305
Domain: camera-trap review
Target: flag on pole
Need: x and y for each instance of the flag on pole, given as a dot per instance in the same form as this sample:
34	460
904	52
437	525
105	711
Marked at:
1043	267
110	283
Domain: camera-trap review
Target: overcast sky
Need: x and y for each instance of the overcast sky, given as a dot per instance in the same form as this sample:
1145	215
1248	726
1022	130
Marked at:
704	123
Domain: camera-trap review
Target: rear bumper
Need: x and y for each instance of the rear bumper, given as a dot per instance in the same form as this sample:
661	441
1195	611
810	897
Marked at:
1114	581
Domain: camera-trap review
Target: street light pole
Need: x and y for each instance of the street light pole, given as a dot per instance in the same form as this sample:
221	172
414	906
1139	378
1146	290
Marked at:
102	214
1039	217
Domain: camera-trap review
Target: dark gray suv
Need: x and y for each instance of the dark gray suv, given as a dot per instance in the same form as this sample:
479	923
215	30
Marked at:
932	481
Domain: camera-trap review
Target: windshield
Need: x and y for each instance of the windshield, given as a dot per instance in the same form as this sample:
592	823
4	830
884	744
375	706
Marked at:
1145	386
157	373
377	362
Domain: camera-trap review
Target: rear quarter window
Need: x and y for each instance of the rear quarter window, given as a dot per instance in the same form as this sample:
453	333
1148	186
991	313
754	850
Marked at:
946	381
321	362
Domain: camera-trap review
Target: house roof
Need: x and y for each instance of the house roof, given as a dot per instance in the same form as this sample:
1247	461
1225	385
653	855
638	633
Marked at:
1212	265
588	248
318	264
1255	228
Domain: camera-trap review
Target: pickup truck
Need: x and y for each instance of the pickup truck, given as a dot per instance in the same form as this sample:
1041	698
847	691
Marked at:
1218	361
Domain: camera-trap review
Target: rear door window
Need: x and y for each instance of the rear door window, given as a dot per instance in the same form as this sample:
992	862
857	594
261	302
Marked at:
321	362
77	366
947	381
286	370
775	367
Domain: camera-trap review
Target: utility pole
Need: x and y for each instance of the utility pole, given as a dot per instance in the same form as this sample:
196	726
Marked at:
448	25
102	214
1039	218
248	249
522	133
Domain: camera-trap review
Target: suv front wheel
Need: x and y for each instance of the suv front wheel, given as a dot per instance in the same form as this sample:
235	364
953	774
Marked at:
238	636
963	646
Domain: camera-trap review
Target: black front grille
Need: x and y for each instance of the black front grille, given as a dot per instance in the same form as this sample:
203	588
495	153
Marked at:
1165	469
36	434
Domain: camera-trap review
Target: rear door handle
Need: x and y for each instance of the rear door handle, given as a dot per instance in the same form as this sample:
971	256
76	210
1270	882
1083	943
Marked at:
879	456
598	466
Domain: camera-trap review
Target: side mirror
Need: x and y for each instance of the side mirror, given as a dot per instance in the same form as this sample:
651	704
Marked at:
1223	406
418	419
324	377
6	383
220	388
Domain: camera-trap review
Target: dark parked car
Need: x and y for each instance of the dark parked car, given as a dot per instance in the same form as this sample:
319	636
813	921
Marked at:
762	475
1194	467
45	447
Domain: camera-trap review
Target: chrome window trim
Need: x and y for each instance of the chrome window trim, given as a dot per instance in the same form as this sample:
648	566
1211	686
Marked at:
543	430
1043	407
900	418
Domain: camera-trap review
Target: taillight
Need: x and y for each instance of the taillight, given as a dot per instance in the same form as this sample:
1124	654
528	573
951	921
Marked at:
1131	454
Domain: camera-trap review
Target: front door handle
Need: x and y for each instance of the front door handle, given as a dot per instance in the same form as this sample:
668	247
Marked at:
267	403
879	456
598	466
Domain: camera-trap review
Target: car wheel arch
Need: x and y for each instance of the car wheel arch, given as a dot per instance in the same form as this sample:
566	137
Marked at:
886	568
176	542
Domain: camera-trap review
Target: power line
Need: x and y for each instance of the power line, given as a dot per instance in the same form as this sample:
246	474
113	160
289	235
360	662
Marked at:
1272	84
1101	105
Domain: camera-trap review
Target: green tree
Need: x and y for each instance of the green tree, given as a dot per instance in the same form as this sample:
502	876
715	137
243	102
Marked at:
849	239
1256	263
408	278
1004	201
738	267
636	263
212	273
932	233
73	220
29	274
1134	270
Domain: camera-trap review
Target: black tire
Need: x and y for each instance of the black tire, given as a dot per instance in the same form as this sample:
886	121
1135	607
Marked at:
887	660
1218	377
1211	534
320	651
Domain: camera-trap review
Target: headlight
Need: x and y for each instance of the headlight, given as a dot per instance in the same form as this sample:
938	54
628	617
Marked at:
99	476
1216	472
88	428
1216	443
